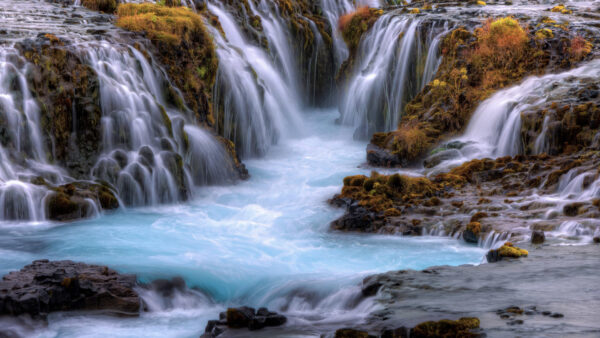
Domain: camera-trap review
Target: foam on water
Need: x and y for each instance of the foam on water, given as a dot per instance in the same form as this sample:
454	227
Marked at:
264	242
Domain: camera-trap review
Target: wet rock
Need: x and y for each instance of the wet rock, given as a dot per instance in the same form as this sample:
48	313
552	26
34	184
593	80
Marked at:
538	237
46	286
447	328
243	317
572	209
78	200
401	332
437	158
597	240
505	251
471	234
240	317
352	333
382	157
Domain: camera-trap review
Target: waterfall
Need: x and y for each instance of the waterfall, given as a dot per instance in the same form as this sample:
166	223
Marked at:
495	128
145	142
386	74
254	104
22	154
333	10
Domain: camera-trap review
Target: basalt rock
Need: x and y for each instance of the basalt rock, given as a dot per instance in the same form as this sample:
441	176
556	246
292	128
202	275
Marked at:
67	91
46	286
77	200
243	317
537	237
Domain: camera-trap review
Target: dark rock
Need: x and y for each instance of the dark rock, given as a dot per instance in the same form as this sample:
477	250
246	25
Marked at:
352	333
370	286
538	237
45	286
597	240
557	315
243	317
240	317
572	209
382	157
401	332
439	157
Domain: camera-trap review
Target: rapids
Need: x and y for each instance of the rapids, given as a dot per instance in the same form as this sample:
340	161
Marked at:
264	242
261	242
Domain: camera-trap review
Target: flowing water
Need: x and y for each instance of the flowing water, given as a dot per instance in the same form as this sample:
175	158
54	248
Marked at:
261	242
264	242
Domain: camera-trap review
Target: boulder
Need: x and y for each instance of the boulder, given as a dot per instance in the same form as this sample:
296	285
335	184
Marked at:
538	237
243	317
46	286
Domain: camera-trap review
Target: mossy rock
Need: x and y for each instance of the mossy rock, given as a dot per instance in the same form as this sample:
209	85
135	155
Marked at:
446	328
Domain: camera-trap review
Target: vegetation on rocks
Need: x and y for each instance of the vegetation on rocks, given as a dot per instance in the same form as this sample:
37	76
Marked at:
508	250
67	91
184	47
106	6
446	328
475	64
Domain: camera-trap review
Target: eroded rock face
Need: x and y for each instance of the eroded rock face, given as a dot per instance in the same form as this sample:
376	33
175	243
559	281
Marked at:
67	90
46	286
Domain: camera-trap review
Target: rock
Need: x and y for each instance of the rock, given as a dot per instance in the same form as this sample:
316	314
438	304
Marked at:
441	156
401	332
370	286
572	209
538	237
471	234
597	240
447	328
243	317
381	157
351	333
506	251
240	317
46	286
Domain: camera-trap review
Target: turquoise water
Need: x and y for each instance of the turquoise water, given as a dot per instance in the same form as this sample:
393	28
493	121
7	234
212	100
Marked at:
263	242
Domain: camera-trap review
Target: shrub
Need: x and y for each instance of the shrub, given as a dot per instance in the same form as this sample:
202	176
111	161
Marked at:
580	48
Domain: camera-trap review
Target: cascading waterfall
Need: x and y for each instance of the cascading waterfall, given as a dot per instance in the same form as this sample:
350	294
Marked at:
386	76
22	155
144	140
494	130
254	103
333	10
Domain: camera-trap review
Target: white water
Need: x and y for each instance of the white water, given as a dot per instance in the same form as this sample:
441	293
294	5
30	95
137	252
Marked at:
264	242
258	104
385	76
494	129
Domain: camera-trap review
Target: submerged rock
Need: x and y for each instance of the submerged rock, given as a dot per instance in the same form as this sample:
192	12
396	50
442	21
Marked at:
243	317
447	328
46	286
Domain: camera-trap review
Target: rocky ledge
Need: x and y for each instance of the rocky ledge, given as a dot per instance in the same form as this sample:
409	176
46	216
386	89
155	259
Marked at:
510	298
46	286
243	317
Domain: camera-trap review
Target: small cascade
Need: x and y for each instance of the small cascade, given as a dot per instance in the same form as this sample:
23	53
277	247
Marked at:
139	157
434	56
254	103
333	10
387	74
493	240
22	155
541	142
495	128
144	141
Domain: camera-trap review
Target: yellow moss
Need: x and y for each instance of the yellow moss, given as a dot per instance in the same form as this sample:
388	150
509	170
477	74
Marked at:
447	328
414	11
168	24
511	251
474	227
544	33
558	8
106	6
481	3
